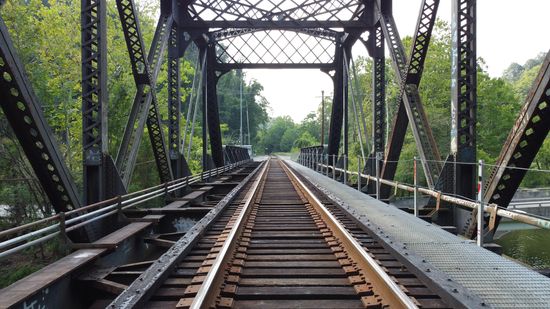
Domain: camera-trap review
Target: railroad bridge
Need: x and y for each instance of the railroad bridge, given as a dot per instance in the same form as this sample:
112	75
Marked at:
273	233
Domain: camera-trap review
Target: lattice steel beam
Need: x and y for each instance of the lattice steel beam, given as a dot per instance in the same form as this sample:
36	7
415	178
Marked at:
273	13
144	109
410	108
464	96
218	35
94	99
174	102
23	112
275	47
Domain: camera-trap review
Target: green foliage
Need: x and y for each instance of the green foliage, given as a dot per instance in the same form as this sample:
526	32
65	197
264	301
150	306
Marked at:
305	140
21	271
229	98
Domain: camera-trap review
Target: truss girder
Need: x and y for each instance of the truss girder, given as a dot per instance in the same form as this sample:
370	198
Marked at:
464	95
275	47
144	108
376	48
326	34
94	99
275	10
174	102
24	113
410	109
379	89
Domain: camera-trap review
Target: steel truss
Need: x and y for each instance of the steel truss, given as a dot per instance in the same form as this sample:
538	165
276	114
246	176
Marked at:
180	168
275	13
235	34
98	183
464	96
410	108
376	48
145	107
255	48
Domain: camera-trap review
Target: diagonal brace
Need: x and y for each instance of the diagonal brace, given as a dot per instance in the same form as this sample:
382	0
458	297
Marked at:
144	108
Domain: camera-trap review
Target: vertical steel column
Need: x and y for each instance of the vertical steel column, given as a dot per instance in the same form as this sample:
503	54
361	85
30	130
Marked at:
345	99
212	111
94	98
376	48
464	96
204	123
336	118
379	89
174	102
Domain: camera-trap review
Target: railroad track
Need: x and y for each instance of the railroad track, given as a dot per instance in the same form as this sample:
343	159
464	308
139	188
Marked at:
280	244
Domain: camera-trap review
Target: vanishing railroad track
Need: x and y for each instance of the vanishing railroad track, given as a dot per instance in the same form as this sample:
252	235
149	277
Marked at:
280	244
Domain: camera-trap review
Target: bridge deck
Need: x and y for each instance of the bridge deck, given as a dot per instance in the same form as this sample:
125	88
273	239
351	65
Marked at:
498	281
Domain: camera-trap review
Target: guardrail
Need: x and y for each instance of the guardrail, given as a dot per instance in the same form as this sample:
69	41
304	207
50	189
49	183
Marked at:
65	222
530	203
312	161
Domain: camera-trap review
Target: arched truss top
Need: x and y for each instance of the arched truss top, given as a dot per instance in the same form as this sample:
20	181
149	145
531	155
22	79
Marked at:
279	13
266	48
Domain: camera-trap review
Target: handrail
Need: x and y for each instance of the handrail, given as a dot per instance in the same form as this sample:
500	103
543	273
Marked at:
491	208
110	207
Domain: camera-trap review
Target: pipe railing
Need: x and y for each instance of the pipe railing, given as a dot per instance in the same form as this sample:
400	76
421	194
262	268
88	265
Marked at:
65	222
493	209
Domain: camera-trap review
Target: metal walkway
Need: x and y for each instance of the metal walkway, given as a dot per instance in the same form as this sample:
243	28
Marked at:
501	283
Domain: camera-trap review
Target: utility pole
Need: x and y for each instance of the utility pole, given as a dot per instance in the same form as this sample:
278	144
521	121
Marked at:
241	141
322	118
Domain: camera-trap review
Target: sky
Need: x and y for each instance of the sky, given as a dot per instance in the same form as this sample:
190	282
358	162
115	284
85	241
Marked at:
507	32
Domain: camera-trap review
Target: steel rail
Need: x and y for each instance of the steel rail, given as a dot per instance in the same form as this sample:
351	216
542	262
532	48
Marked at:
204	299
141	289
493	209
109	210
383	284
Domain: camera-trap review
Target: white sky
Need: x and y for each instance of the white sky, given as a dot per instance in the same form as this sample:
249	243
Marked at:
508	31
